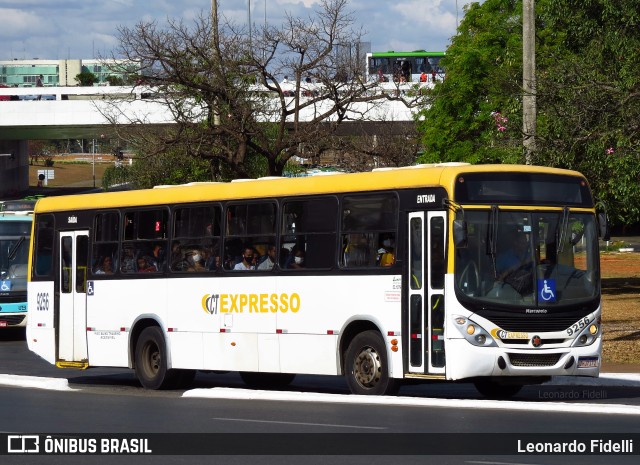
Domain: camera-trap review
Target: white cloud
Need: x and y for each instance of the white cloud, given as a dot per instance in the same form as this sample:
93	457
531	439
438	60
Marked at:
19	23
76	28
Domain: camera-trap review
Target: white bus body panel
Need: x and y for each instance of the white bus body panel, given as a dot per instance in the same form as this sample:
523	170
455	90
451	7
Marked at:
41	333
247	329
112	311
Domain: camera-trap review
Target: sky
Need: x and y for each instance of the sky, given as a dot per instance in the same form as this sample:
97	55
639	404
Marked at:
84	29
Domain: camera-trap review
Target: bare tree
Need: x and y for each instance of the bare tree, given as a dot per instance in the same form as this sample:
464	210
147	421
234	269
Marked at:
225	91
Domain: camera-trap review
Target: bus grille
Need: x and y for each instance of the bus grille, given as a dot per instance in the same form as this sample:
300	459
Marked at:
12	320
534	360
545	324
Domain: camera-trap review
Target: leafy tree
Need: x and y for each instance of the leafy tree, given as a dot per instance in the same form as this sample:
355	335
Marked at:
223	87
86	79
588	94
474	115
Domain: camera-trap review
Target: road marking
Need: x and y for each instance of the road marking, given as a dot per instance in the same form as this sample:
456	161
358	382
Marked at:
301	424
499	463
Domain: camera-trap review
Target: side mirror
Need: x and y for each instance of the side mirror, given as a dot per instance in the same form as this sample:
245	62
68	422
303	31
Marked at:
603	225
460	235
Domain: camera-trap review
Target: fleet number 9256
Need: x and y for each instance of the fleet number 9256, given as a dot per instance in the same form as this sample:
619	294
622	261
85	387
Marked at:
42	301
578	326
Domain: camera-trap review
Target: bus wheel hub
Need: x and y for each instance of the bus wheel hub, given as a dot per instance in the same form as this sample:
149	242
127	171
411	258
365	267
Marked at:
367	367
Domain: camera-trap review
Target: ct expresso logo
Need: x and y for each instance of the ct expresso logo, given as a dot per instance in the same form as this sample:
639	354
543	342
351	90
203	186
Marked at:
251	303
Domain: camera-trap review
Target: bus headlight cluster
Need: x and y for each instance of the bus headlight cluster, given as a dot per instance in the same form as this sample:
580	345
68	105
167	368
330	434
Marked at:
588	335
473	332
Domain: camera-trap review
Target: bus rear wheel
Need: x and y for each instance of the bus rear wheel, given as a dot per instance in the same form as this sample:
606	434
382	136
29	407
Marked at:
151	360
367	366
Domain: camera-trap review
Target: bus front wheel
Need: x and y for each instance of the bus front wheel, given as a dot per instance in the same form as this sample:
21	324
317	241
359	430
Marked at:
367	366
151	360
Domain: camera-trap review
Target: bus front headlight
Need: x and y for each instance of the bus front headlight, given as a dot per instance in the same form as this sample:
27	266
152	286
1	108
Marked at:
587	336
473	332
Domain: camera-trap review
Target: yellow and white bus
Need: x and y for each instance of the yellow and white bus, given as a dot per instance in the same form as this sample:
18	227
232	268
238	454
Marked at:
397	274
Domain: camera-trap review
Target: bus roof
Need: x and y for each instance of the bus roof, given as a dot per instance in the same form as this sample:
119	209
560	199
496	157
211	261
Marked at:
440	175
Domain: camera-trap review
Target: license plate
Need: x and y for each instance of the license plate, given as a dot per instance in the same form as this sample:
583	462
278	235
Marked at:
588	362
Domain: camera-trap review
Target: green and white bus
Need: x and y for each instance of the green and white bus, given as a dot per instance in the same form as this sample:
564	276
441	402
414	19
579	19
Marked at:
404	66
15	233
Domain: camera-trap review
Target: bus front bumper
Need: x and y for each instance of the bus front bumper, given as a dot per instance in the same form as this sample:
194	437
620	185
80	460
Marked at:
467	361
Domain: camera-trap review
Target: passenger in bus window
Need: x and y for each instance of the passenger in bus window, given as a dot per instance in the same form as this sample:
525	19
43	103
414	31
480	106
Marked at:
144	266
105	266
213	263
296	259
177	257
270	260
158	254
387	252
128	260
195	261
254	260
356	250
247	261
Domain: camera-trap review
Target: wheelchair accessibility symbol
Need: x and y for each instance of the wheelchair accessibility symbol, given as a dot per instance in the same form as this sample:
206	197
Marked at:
6	285
547	290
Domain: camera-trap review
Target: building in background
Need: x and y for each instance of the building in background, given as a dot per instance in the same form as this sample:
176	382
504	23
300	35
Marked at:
24	73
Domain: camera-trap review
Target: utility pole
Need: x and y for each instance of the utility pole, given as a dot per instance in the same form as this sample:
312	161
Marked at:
249	20
214	25
215	43
528	79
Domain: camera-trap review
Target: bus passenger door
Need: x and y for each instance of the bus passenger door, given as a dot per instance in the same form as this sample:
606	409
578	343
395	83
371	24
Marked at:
72	324
426	292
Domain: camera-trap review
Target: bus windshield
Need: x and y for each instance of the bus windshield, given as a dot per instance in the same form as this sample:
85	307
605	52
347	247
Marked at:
14	253
524	258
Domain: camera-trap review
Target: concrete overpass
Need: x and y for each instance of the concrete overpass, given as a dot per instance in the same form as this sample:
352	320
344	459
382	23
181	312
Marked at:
46	113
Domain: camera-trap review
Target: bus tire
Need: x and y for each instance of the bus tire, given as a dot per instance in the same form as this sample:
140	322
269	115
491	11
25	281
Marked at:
367	366
494	390
267	380
151	360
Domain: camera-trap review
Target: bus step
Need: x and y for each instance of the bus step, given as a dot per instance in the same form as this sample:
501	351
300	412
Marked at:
423	376
83	365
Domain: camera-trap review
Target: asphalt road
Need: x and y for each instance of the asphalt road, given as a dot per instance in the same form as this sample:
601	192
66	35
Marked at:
109	401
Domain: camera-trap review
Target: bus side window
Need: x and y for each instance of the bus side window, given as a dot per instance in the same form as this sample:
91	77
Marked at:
196	239
250	226
44	246
309	226
367	221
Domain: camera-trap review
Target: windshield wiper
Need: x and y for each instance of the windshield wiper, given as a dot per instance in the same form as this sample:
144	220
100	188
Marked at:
564	226
492	243
14	250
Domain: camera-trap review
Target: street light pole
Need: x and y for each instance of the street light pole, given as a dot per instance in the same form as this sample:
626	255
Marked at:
528	79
